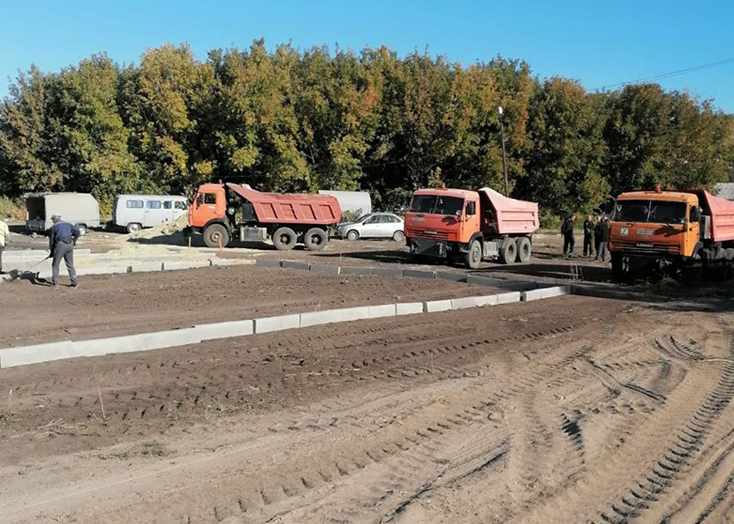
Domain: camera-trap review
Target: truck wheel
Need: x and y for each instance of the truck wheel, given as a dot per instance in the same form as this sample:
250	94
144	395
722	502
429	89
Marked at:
315	239
216	235
474	257
353	235
284	239
617	272
508	252
133	228
692	270
82	229
524	249
729	255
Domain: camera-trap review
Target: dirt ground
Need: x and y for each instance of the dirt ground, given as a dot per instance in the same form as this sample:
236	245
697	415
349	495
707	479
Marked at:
112	305
565	410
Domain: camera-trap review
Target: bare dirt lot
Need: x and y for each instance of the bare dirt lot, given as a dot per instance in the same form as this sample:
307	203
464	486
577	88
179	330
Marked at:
111	305
565	410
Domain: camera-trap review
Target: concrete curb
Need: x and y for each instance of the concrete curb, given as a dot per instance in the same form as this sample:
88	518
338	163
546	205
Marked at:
34	354
268	262
125	266
324	270
547	292
269	324
358	271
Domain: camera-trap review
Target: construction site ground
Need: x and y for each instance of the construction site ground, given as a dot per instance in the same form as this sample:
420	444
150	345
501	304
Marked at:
567	410
564	410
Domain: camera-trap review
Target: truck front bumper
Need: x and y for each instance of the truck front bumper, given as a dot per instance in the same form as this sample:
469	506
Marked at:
428	248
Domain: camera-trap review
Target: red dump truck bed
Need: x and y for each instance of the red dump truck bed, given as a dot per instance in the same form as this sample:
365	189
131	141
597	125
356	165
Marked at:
722	215
272	208
514	217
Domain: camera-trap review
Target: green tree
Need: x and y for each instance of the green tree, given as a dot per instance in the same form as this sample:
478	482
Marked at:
28	149
94	154
164	101
564	166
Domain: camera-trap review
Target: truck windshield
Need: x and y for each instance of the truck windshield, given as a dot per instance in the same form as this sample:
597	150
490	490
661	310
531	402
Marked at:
650	211
437	205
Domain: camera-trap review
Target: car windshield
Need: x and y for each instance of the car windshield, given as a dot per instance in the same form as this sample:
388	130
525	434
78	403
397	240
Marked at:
650	211
363	217
437	205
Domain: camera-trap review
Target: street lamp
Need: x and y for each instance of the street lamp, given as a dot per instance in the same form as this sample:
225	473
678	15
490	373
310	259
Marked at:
504	157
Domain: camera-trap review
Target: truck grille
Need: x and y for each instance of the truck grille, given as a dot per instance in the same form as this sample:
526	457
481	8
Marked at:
427	234
635	246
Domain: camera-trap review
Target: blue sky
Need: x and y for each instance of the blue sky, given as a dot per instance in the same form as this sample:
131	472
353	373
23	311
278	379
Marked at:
597	43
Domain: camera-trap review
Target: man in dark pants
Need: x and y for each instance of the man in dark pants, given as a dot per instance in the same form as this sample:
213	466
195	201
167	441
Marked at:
61	240
606	230
588	236
569	241
598	233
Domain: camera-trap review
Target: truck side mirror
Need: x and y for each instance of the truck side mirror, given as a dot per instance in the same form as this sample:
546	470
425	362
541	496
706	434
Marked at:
471	209
695	213
199	200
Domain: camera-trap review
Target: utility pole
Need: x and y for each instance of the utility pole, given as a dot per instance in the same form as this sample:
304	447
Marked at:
504	156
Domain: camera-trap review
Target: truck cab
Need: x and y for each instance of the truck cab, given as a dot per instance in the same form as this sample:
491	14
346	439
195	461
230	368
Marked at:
209	206
656	222
443	214
690	232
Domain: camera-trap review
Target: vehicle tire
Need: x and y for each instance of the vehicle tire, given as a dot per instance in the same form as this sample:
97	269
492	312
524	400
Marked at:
524	250
474	257
216	235
133	228
398	236
315	239
353	235
508	251
82	229
284	239
729	261
721	265
692	270
620	268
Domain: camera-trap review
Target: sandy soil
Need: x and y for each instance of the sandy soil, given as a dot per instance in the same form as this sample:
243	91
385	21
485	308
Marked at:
567	410
111	305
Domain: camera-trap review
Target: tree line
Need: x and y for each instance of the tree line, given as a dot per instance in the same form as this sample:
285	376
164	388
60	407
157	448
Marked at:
302	120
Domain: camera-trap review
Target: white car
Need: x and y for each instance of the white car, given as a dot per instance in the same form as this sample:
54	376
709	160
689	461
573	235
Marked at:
373	225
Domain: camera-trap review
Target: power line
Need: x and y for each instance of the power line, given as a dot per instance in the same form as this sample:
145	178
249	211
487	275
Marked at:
670	74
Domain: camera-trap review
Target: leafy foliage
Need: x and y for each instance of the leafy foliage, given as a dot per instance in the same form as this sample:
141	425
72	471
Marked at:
291	120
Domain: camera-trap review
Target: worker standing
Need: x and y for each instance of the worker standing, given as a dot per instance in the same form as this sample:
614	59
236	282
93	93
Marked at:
606	230
4	235
598	233
588	236
569	241
61	239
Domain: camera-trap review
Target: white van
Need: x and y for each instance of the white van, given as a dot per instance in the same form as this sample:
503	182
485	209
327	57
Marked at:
80	209
134	212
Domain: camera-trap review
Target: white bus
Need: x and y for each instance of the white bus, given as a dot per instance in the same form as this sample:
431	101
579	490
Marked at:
134	212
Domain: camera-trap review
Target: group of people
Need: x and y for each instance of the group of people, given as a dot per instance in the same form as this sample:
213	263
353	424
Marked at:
596	237
62	238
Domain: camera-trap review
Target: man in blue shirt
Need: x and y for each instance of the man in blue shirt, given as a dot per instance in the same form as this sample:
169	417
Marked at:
61	240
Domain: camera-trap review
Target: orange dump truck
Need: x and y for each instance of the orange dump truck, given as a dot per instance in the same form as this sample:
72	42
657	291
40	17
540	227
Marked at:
222	211
470	226
687	233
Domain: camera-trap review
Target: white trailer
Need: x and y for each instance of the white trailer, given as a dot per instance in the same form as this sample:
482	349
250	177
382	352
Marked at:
80	209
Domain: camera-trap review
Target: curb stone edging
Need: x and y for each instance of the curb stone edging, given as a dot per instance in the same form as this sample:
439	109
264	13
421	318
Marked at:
38	353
